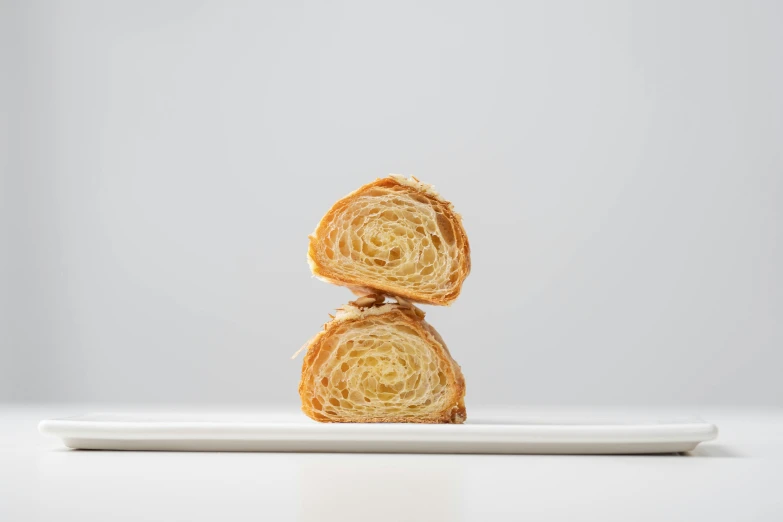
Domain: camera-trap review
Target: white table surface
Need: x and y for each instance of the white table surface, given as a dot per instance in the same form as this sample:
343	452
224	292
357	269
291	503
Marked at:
737	477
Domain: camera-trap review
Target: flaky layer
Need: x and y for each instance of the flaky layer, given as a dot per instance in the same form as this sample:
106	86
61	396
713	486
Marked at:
394	236
382	364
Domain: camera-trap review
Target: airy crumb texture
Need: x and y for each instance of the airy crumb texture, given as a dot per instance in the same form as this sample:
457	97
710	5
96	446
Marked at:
393	236
382	363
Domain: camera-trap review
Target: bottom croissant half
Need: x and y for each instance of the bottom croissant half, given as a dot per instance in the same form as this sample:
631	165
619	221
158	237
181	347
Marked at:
382	363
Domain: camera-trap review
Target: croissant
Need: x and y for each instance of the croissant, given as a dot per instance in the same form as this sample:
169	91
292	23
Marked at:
381	363
395	236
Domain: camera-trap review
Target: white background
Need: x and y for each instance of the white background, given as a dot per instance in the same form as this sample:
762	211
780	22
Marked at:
618	166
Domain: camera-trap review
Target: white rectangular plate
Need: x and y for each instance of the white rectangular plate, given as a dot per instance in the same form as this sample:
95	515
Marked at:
284	432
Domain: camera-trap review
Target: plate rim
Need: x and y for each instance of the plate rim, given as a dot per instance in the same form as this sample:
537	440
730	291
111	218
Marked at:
78	427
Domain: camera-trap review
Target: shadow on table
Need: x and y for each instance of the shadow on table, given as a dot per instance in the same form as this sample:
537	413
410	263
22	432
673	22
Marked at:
715	451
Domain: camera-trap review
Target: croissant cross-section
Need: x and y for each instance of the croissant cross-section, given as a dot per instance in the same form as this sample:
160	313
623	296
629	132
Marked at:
395	236
381	364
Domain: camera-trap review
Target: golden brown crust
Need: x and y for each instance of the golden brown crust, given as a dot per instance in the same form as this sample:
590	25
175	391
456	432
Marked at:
397	342
374	257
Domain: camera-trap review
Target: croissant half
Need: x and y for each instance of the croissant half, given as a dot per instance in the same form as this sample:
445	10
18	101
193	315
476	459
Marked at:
395	236
381	364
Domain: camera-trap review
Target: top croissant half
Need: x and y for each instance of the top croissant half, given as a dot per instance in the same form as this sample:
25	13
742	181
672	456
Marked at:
393	236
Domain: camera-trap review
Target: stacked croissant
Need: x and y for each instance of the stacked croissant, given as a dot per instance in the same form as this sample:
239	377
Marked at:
379	361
